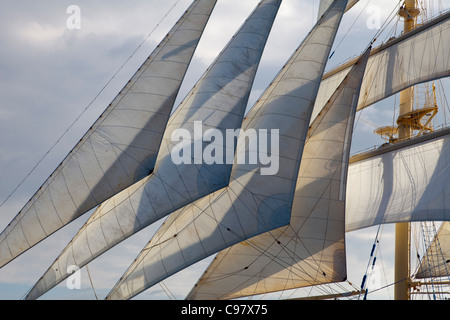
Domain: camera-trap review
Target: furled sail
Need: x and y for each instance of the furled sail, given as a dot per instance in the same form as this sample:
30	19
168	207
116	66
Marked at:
415	57
407	181
121	146
216	104
256	200
436	262
311	249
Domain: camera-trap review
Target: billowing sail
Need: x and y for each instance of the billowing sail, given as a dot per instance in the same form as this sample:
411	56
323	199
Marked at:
216	105
436	262
258	198
418	56
121	146
311	249
407	181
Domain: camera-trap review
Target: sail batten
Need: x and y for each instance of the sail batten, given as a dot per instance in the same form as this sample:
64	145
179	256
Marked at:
217	101
96	168
310	250
253	202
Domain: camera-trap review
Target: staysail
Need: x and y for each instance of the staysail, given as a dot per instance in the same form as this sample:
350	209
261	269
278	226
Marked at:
416	57
256	200
436	262
311	249
405	182
121	146
216	104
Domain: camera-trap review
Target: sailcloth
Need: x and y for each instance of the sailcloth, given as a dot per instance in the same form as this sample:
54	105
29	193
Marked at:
408	181
255	201
311	249
325	4
436	262
418	56
218	101
121	146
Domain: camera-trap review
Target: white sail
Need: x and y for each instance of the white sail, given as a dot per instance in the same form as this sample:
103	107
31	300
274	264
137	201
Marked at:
120	148
253	202
325	4
311	249
218	101
436	262
408	181
418	56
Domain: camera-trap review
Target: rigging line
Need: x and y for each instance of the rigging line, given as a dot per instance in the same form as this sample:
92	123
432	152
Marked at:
183	228
292	253
167	291
382	262
388	285
92	284
393	113
284	248
441	254
386	22
345	35
300	240
370	262
372	84
443	100
378	253
88	106
426	236
275	259
417	243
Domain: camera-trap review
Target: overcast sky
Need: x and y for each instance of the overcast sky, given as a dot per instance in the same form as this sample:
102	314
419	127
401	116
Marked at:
49	74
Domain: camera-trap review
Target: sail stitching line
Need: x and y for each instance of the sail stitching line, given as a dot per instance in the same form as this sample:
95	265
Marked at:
327	188
345	35
250	192
53	203
99	164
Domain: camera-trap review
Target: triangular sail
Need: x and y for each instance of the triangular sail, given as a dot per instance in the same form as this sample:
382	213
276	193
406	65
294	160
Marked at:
311	249
218	101
436	262
256	200
418	56
121	146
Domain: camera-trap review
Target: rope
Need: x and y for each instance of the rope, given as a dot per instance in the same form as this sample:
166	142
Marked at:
370	264
92	284
345	35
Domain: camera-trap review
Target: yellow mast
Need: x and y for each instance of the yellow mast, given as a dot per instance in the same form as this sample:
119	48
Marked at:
402	235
